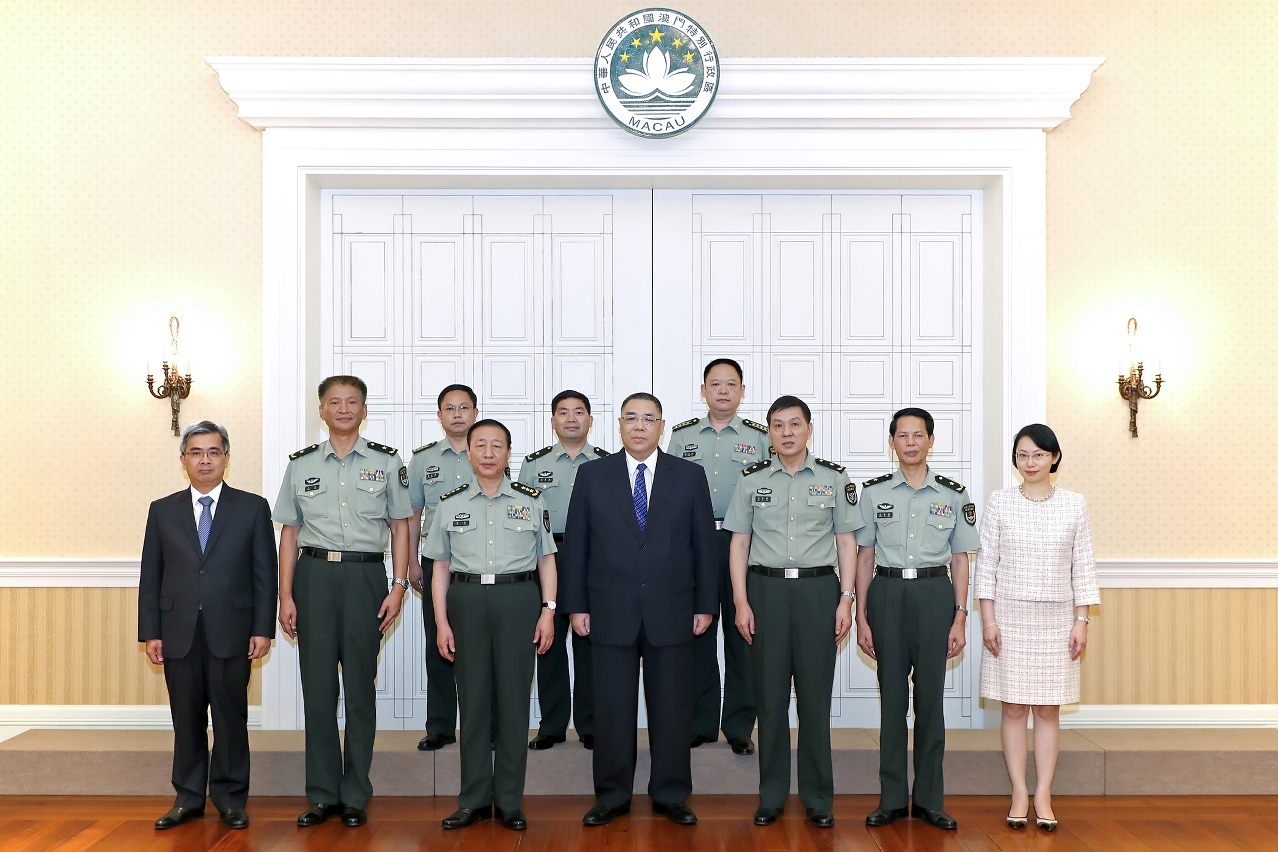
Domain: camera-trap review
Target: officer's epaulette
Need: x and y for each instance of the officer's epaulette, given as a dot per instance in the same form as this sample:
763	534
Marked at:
425	447
831	465
601	452
757	466
754	425
526	489
459	489
949	483
538	454
685	424
303	451
382	448
876	480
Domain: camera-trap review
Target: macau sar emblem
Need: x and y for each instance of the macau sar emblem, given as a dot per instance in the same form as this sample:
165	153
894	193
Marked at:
656	73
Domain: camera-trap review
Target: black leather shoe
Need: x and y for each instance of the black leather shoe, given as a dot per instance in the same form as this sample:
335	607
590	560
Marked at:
767	816
602	814
354	817
588	741
430	742
234	818
886	816
820	818
937	818
545	741
699	740
316	814
177	816
513	820
678	813
463	817
741	745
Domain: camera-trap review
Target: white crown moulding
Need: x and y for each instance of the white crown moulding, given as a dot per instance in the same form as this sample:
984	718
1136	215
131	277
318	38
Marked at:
558	93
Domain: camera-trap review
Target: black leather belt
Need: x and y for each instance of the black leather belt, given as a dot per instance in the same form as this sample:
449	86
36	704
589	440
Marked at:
558	537
343	555
493	579
912	573
792	573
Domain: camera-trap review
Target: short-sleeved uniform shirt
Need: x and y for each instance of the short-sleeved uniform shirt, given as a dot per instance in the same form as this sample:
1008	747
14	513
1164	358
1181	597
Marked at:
478	534
552	471
792	519
346	503
723	455
916	529
434	470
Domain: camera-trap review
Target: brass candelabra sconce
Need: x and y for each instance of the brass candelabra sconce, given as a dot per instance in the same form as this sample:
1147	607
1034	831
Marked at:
174	386
1132	387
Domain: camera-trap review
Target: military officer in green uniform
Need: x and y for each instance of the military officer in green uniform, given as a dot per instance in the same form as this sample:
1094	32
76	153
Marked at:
723	444
793	518
553	470
911	584
488	541
436	468
338	503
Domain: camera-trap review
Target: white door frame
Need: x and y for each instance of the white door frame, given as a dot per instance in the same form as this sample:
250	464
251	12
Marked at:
827	123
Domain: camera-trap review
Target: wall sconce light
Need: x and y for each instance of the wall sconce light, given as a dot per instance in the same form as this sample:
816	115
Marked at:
1132	387
175	387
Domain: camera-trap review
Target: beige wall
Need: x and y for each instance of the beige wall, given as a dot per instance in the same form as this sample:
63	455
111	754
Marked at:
129	190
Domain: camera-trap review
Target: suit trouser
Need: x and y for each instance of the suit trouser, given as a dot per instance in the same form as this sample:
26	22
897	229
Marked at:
337	624
199	684
910	621
667	684
794	639
441	688
493	629
739	709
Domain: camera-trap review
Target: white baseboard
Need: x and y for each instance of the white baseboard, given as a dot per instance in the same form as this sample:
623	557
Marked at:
69	573
1169	716
126	716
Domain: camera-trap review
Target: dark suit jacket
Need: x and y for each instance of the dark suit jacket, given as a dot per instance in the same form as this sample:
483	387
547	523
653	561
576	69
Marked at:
662	576
236	578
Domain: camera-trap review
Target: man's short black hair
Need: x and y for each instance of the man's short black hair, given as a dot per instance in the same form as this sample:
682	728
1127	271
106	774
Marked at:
353	381
1044	438
705	374
569	394
466	389
920	413
644	396
787	401
488	422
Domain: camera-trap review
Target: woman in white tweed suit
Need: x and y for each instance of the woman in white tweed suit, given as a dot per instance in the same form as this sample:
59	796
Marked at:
1035	579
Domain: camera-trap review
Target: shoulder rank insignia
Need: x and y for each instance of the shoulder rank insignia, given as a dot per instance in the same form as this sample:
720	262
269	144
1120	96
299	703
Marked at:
538	454
949	483
303	451
831	465
754	425
526	489
459	489
425	447
382	448
875	481
601	452
685	424
756	467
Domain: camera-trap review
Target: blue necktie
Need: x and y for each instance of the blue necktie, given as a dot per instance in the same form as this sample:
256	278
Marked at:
641	496
206	521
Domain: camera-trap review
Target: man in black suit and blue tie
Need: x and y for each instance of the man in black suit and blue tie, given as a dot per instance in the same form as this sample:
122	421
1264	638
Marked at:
206	610
638	578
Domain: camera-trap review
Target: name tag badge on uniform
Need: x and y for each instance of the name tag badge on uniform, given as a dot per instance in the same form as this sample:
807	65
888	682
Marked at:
312	483
763	495
820	490
368	475
749	449
689	451
461	519
519	513
885	510
941	509
545	476
432	472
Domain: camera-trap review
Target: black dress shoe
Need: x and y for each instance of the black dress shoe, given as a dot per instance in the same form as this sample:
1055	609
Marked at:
886	816
588	741
463	817
767	816
741	745
316	814
678	813
430	742
513	820
545	741
354	817
177	816
602	814
234	818
820	818
937	818
699	740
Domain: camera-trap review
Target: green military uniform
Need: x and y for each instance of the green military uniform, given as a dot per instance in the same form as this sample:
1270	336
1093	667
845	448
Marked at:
723	455
553	471
792	521
344	507
491	540
435	469
910	618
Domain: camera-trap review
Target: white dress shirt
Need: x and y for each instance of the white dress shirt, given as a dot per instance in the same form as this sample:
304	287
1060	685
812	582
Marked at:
632	464
216	494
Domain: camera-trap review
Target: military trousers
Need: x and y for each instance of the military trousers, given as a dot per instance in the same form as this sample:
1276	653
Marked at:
910	621
559	699
738	706
441	689
794	642
493	628
337	625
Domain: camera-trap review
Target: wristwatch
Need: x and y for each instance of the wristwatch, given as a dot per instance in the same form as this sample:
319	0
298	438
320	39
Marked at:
550	605
401	581
849	594
1083	619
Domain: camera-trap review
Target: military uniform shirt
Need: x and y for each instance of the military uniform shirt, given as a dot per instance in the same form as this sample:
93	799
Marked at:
344	504
434	470
916	529
479	534
553	472
723	455
792	520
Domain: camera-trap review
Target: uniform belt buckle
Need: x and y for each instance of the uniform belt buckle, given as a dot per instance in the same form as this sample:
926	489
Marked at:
909	573
487	579
792	573
334	556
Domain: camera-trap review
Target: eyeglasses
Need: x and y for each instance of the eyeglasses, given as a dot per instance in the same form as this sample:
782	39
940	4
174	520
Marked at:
632	419
460	409
211	455
1039	456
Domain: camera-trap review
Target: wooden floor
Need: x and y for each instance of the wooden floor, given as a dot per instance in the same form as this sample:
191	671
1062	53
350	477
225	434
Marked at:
1112	824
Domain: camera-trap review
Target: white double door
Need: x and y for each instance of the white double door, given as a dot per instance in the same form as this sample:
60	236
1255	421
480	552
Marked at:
858	303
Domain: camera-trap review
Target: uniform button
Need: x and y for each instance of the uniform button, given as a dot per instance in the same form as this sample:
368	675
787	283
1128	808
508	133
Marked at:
911	557
822	506
716	455
716	491
911	535
490	542
517	529
913	516
791	558
792	519
791	499
490	523
343	483
343	504
346	525
490	562
716	473
791	538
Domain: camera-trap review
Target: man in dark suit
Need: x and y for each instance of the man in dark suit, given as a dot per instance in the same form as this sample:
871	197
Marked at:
206	610
638	578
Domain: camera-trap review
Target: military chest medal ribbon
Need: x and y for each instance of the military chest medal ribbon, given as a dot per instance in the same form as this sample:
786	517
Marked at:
656	72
